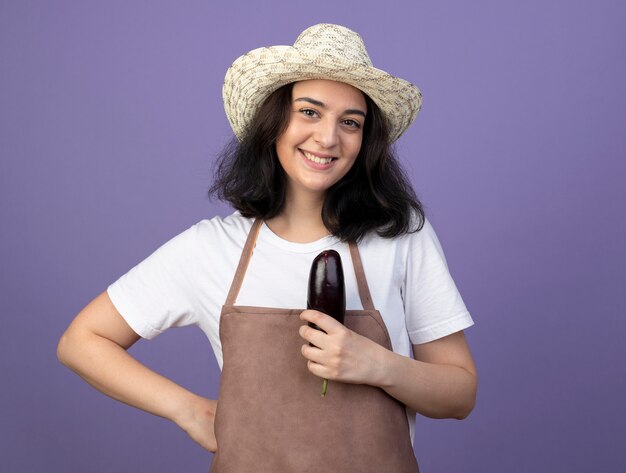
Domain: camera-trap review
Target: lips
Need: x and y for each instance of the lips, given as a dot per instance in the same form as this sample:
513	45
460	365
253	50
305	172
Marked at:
317	158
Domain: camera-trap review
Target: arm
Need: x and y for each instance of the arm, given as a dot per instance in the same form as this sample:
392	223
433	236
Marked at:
440	382
95	347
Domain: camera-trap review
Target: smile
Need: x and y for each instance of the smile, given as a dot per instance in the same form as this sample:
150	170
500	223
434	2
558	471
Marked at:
317	159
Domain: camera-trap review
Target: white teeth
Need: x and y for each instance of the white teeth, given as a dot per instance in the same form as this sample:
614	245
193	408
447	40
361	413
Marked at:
316	159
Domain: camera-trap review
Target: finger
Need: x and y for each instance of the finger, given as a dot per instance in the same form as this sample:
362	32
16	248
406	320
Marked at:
313	336
323	321
317	369
313	354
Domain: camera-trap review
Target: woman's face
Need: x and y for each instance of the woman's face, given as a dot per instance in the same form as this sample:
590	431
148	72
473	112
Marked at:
324	134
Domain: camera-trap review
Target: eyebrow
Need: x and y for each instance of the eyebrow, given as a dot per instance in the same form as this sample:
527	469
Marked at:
317	103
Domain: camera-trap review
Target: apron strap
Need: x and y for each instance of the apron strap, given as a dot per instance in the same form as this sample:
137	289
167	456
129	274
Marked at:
361	281
246	253
248	249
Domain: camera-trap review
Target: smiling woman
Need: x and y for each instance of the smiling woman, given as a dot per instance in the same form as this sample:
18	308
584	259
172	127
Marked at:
374	195
310	169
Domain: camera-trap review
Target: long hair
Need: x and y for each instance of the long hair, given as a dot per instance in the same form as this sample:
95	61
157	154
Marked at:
375	195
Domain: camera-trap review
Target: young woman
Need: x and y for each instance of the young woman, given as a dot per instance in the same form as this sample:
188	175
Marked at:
311	169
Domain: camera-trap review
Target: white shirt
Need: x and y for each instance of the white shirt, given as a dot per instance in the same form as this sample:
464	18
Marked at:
185	282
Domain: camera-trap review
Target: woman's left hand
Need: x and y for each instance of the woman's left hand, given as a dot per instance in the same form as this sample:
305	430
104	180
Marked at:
340	354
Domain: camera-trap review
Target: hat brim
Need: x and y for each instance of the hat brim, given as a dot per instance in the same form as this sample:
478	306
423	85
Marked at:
256	75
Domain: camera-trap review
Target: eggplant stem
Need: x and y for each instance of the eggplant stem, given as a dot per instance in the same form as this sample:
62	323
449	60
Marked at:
324	387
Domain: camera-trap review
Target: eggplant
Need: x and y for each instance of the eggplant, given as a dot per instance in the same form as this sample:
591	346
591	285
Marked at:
327	291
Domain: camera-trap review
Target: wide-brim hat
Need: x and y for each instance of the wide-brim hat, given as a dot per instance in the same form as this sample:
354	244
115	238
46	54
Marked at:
322	51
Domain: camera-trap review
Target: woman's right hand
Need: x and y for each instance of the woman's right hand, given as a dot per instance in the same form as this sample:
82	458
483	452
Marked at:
198	422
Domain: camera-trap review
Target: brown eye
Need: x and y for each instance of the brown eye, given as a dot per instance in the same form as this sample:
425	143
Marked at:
352	123
308	112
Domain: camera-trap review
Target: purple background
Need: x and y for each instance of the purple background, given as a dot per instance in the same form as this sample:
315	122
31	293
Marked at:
110	118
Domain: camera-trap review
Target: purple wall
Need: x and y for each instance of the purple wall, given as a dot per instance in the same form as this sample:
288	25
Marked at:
111	114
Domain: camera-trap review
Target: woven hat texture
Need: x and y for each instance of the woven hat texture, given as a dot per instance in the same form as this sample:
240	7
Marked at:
322	51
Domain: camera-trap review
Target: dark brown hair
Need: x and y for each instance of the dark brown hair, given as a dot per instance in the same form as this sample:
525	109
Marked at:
375	195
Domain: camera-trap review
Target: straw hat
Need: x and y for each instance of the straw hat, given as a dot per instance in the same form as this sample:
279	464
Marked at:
322	51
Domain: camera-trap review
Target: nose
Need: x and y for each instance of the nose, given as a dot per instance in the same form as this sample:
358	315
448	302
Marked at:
326	133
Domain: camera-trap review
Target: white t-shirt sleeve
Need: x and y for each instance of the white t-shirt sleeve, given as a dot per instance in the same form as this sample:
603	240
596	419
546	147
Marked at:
160	292
433	305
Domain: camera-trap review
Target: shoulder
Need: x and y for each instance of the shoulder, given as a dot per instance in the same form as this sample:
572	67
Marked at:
233	227
421	232
414	251
214	235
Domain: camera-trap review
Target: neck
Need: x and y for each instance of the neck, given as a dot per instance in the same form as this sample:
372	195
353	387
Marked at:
300	221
